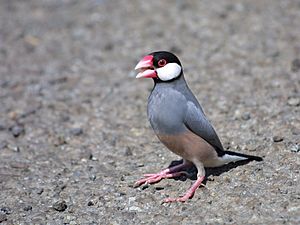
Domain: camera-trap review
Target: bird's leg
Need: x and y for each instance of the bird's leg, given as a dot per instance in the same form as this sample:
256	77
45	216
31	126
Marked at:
189	193
193	188
171	172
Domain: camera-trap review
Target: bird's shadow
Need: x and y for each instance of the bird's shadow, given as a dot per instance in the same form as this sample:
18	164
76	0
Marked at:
216	171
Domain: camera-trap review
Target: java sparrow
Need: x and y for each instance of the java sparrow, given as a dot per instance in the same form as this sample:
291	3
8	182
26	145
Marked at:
180	123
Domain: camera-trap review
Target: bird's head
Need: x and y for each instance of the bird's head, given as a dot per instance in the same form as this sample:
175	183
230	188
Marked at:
162	65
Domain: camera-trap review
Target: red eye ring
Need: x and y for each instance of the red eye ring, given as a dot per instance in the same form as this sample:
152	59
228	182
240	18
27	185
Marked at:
162	62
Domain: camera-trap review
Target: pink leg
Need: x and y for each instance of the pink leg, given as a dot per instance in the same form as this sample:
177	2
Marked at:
189	193
171	172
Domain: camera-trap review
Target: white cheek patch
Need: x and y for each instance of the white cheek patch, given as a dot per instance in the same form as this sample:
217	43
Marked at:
169	71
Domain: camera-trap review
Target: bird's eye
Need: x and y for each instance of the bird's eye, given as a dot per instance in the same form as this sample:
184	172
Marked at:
162	62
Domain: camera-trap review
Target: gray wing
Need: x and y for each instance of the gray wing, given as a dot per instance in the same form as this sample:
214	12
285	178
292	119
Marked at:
196	122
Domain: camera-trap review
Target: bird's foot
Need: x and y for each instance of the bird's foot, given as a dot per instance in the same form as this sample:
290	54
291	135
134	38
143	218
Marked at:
188	194
171	172
156	177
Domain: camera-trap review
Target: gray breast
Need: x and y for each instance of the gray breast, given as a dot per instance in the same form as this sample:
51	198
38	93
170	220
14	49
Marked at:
166	110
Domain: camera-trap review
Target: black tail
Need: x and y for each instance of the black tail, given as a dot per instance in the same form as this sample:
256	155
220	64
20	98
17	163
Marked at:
249	157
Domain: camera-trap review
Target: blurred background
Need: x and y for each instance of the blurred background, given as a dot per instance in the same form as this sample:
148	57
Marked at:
74	135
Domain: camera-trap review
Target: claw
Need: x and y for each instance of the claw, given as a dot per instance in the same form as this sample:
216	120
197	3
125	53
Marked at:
189	194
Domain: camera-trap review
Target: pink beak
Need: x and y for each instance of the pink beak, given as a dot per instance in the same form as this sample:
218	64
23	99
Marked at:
146	68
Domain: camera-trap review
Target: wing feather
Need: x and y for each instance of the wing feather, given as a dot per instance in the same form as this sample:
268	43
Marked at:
196	122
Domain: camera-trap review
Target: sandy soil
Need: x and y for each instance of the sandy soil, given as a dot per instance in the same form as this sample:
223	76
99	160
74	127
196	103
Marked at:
74	136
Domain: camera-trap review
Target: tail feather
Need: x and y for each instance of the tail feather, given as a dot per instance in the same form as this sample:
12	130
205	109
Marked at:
247	157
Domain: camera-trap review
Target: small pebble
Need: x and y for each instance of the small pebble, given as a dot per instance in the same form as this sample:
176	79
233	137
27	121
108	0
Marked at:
227	180
60	206
295	131
253	147
277	138
2	127
6	210
145	186
122	193
93	177
91	203
135	208
17	130
159	188
3	145
294	148
19	165
65	118
294	209
293	101
13	115
226	145
15	148
39	191
295	65
92	157
60	140
127	151
31	110
246	116
76	131
59	80
210	178
27	208
3	217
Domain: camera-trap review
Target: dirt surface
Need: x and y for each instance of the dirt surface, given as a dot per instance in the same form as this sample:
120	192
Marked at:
74	136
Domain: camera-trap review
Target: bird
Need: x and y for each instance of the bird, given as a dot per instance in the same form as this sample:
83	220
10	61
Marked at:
180	123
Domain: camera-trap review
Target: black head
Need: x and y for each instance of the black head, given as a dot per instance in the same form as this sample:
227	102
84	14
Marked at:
161	56
161	65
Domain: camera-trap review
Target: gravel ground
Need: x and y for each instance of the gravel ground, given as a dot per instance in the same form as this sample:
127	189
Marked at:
74	135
